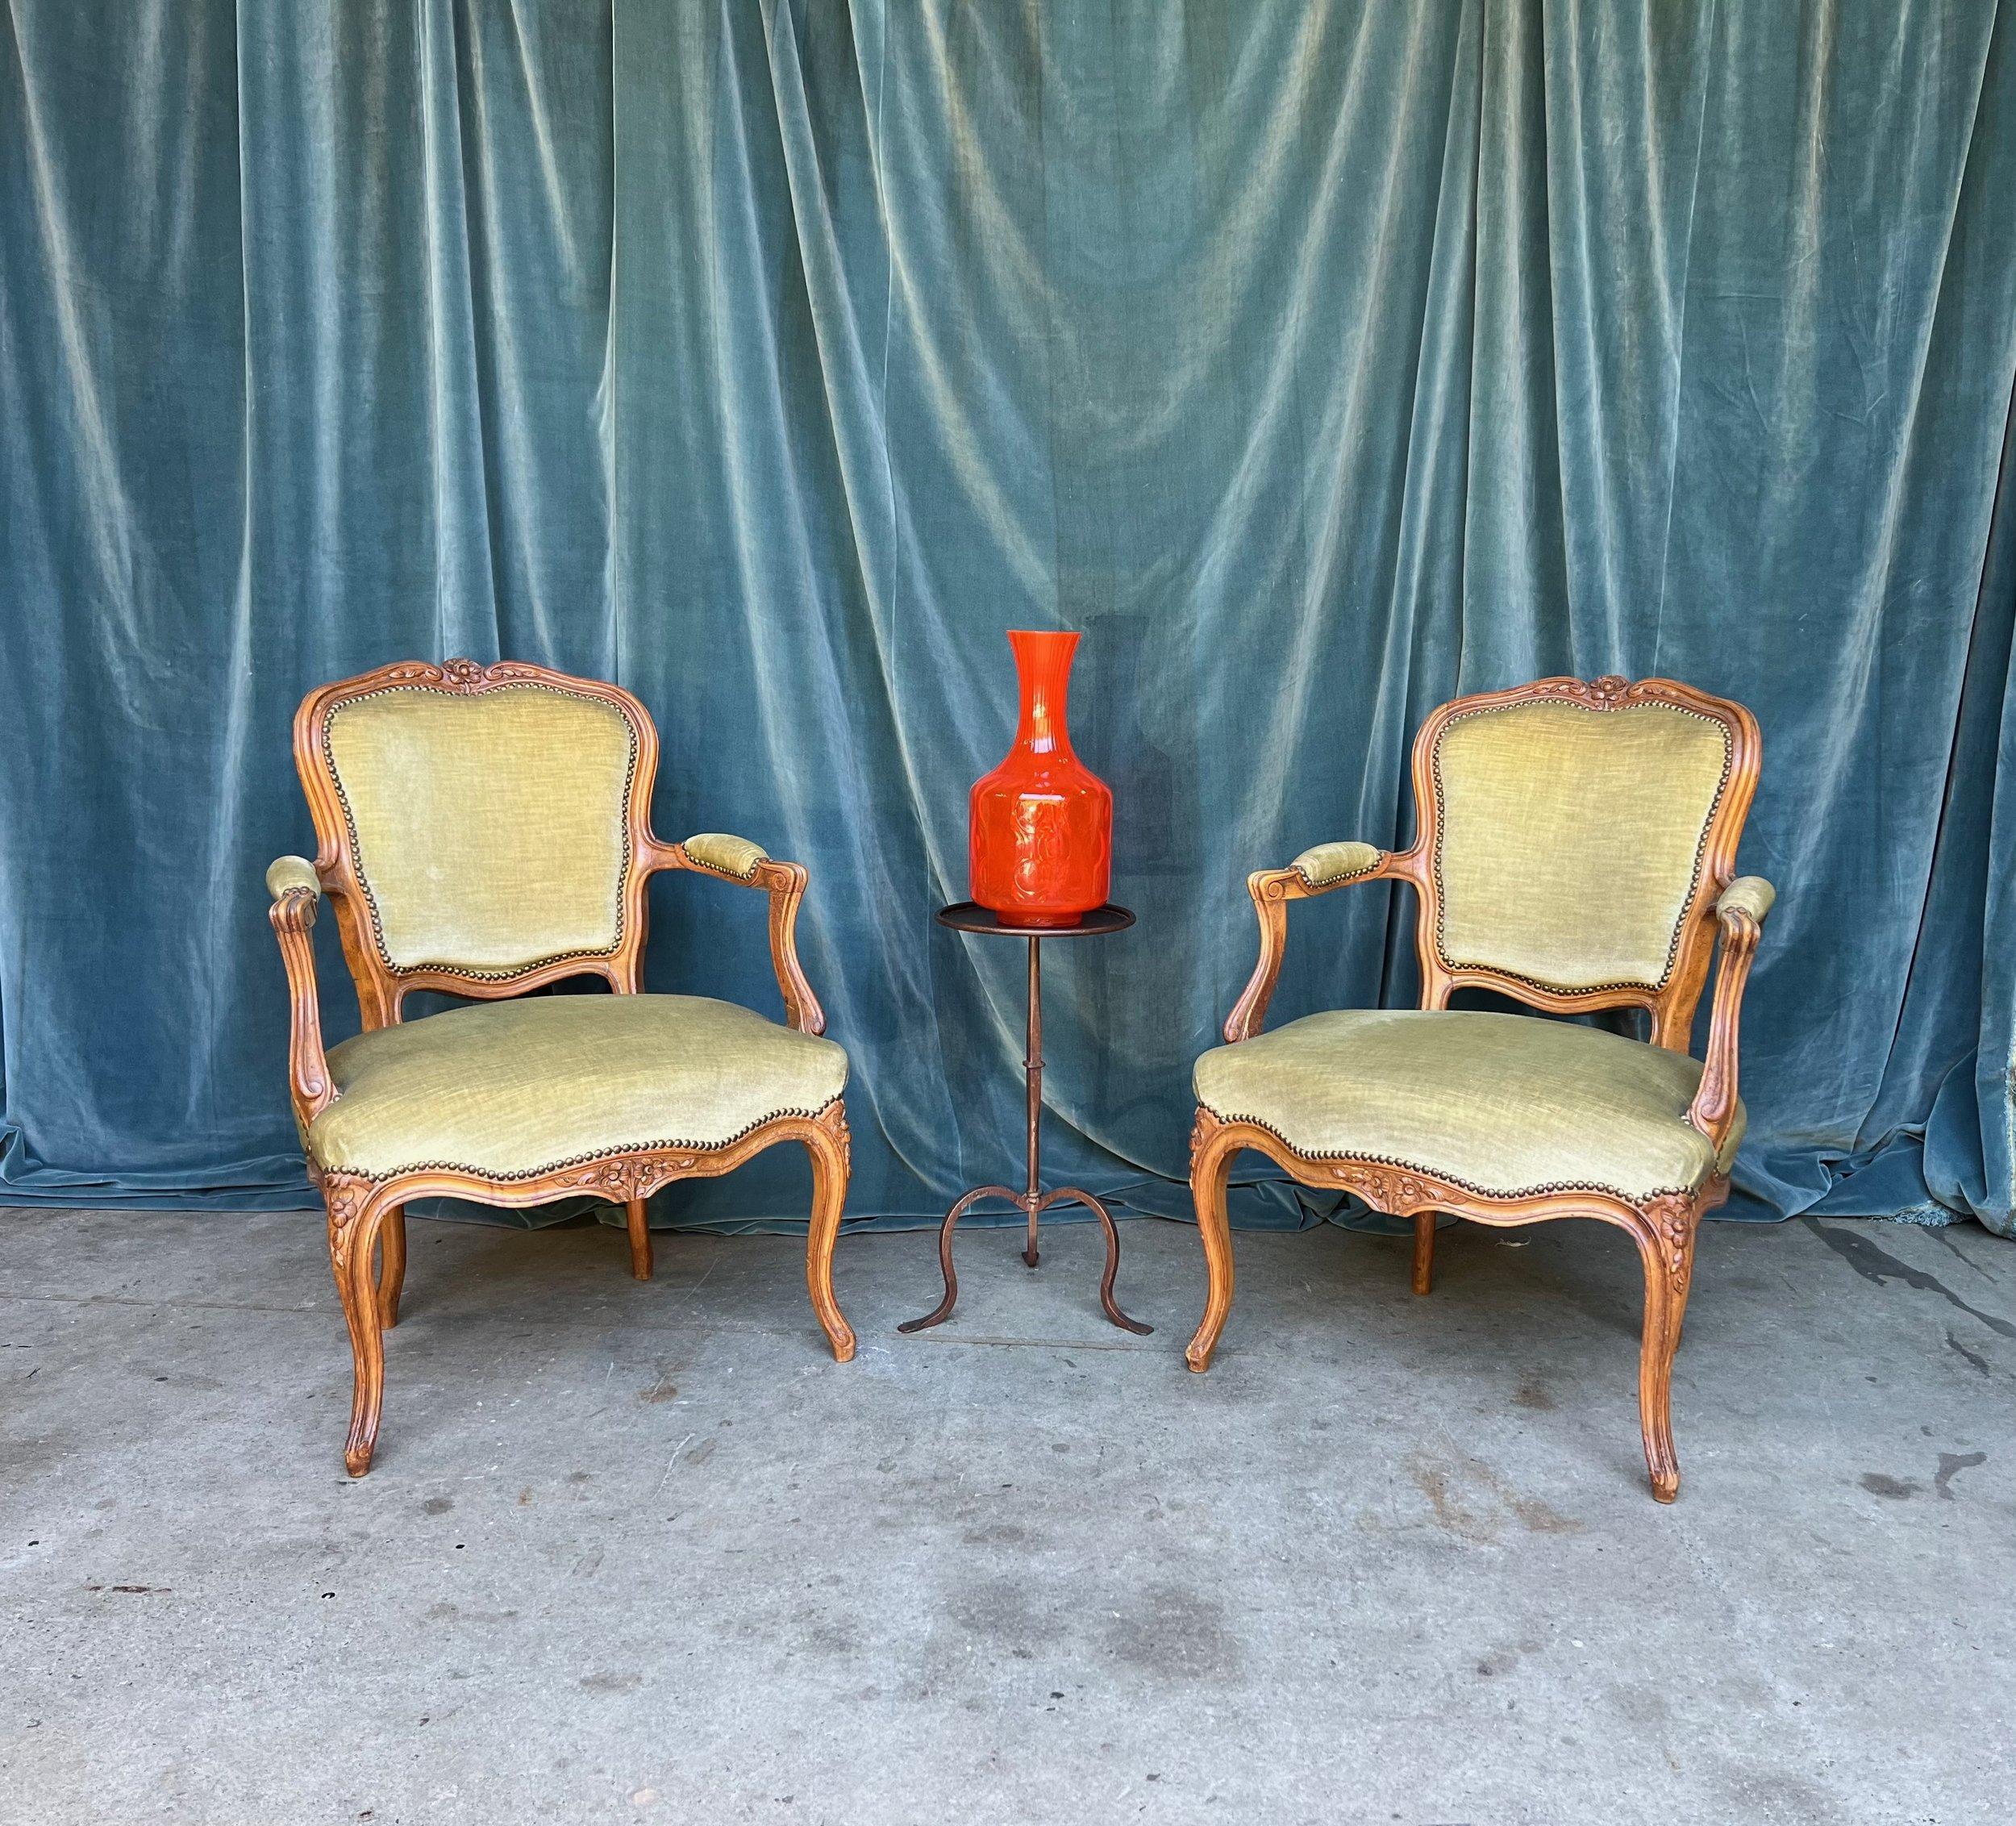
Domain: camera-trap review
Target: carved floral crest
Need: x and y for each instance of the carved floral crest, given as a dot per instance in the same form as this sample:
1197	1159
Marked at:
1672	1220
627	1177
1388	1189
346	1194
462	675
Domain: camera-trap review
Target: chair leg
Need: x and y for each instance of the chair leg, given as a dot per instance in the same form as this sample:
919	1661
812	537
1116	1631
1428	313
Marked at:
391	1265
1211	1168
639	1238
1666	1247
827	1144
354	1226
1424	1251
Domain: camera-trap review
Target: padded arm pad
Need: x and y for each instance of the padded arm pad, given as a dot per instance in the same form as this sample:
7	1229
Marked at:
725	854
290	873
1328	864
1747	894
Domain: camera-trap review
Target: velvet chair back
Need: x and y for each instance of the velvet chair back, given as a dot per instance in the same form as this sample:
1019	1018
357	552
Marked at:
1575	835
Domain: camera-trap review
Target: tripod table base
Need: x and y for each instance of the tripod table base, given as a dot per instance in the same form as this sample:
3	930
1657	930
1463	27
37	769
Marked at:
1034	1204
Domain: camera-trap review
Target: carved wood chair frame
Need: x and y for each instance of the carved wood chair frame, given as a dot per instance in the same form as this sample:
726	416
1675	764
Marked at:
367	1216
1663	1228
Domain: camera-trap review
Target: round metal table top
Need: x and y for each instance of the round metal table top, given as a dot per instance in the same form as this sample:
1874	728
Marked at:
966	916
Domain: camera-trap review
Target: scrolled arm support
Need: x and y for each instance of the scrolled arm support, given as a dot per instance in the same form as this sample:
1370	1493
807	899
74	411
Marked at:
747	864
297	895
1315	871
1740	912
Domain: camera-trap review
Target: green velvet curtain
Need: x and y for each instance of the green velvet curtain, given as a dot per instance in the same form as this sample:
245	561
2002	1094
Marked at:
1318	360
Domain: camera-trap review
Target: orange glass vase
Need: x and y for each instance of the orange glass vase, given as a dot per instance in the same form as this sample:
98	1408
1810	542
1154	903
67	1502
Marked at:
1040	848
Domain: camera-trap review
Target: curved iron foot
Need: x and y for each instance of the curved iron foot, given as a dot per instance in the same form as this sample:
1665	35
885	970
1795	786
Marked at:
944	1310
1072	1194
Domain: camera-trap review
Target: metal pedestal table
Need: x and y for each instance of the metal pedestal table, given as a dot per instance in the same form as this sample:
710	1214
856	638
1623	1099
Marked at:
965	917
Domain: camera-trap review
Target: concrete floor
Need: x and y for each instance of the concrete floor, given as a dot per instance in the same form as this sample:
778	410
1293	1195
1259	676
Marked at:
645	1553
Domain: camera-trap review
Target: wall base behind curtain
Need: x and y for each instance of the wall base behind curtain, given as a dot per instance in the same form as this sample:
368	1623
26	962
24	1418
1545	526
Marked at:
1319	361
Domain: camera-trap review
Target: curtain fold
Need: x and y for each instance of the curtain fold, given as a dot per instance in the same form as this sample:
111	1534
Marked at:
1319	362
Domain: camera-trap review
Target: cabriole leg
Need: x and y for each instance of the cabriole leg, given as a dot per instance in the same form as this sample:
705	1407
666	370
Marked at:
1666	1247
356	1217
1211	1168
827	1144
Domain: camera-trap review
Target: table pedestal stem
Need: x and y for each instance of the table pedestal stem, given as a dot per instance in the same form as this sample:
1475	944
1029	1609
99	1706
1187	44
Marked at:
1032	1076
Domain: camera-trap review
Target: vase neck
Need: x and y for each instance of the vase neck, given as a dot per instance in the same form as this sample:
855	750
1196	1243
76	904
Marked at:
1043	665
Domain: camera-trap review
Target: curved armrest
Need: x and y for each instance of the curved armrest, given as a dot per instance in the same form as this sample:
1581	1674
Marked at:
1330	865
720	854
297	892
738	860
1315	871
1747	894
1740	912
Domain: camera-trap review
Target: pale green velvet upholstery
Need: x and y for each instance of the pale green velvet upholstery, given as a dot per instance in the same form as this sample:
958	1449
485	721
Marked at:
1504	1104
1748	894
509	1089
489	829
290	873
732	856
1570	838
1330	863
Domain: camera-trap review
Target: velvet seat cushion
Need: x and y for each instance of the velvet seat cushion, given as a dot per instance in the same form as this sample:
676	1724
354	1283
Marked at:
510	1090
1504	1104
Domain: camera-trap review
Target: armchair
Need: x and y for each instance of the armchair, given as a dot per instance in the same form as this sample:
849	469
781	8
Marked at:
1576	851
484	831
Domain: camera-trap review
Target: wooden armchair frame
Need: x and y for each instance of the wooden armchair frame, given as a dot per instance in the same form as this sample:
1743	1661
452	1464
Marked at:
366	1216
1663	1228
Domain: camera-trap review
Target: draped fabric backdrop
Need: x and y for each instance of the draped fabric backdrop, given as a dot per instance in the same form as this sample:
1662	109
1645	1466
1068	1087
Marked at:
1319	361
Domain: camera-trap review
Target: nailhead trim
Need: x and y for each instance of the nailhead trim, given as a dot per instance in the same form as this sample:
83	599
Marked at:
1423	1172
1309	880
707	868
1693	883
600	1154
371	900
